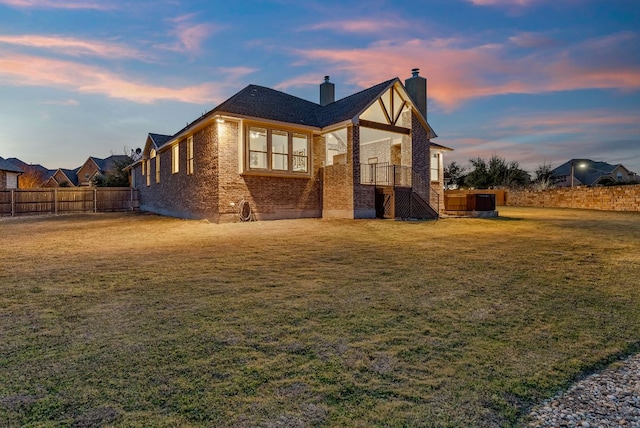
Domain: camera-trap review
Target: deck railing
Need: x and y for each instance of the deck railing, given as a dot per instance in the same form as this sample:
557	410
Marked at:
386	175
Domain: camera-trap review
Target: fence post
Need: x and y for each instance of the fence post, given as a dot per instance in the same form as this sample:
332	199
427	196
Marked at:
95	199
13	203
55	201
131	199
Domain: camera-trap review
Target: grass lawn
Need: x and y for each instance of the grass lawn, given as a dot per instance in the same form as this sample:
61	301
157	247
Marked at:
138	320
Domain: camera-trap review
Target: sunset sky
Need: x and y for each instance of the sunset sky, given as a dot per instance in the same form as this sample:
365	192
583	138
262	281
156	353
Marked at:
533	81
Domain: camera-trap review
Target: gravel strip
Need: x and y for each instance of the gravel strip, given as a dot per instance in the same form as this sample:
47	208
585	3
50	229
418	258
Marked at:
610	398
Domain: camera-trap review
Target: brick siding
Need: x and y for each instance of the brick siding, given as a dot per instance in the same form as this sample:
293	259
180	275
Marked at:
217	185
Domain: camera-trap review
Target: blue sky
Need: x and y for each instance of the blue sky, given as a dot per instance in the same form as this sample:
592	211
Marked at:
535	81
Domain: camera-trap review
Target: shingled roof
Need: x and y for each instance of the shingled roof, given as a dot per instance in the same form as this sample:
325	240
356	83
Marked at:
37	167
5	165
159	139
260	102
107	164
266	103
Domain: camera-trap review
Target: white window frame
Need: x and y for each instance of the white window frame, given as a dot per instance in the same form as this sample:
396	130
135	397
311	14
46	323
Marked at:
175	158
190	155
435	169
292	158
158	168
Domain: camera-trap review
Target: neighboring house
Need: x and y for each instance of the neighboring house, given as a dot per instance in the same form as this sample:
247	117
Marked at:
35	173
9	174
591	173
268	155
84	175
94	167
63	178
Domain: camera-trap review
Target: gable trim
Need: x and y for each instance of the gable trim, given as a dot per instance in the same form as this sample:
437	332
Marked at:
385	127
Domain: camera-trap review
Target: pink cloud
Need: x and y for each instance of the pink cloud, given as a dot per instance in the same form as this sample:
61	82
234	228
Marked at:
190	35
58	4
459	73
359	25
533	40
72	46
298	81
501	2
539	138
69	102
568	122
37	71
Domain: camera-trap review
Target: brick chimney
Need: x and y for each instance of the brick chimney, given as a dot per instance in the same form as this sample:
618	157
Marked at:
327	92
417	88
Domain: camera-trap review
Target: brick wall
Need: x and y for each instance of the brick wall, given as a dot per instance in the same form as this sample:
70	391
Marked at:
270	197
337	189
216	186
614	198
179	194
364	202
3	179
420	153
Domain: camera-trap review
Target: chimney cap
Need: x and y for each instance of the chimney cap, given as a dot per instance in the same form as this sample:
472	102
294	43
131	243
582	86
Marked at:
326	78
415	72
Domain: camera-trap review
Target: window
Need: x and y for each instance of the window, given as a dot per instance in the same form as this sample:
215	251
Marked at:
190	155
277	151
158	168
257	148
175	159
300	153
435	167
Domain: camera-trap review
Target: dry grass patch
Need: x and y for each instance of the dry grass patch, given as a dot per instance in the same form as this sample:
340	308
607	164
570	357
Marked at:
139	320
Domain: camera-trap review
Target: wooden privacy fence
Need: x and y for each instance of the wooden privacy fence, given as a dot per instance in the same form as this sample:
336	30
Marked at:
15	202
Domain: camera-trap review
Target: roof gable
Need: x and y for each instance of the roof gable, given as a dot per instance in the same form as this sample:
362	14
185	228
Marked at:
160	140
70	174
155	141
349	107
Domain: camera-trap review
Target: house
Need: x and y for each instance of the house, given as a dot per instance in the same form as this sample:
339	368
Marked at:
591	173
265	154
84	175
95	167
63	178
9	174
34	175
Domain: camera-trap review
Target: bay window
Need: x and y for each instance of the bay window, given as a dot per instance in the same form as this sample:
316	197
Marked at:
277	151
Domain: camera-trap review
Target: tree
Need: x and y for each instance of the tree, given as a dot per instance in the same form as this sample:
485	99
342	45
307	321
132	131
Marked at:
542	180
496	172
31	177
454	175
117	177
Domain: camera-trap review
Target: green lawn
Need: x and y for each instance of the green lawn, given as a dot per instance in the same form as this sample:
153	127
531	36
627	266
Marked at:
139	320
